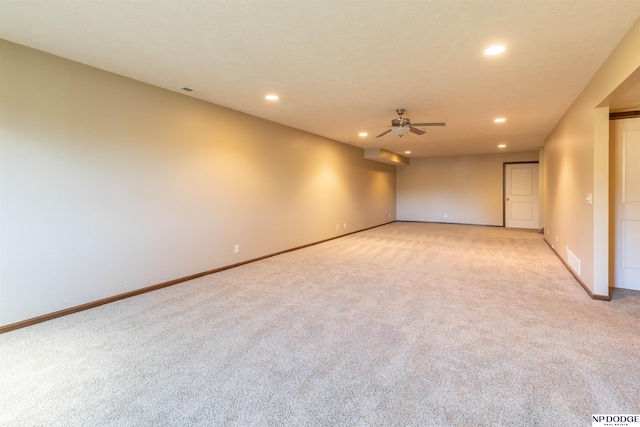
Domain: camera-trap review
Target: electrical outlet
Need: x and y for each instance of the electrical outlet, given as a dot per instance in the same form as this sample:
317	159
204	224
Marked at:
236	249
445	215
556	238
345	225
337	226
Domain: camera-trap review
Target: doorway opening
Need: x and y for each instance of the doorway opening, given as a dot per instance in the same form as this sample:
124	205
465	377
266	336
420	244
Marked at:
624	201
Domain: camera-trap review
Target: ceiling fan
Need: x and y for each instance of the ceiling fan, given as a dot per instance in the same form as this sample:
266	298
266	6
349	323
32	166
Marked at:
402	125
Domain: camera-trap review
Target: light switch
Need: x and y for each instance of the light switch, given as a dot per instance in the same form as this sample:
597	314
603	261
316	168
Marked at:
589	198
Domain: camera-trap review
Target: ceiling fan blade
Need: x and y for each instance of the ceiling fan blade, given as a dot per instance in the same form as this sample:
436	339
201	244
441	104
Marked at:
384	133
429	124
416	130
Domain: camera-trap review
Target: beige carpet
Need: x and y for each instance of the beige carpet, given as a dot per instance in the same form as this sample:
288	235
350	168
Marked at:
407	324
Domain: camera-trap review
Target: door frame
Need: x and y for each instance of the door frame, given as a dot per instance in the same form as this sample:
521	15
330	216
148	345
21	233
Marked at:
504	186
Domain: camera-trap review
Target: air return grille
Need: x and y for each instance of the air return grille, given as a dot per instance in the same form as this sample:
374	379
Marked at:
574	261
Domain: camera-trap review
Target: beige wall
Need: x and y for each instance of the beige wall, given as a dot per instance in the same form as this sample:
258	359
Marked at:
576	163
111	185
468	189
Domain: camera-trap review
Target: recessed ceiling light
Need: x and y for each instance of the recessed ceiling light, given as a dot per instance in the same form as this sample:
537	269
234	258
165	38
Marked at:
500	120
271	97
502	146
407	152
494	50
363	134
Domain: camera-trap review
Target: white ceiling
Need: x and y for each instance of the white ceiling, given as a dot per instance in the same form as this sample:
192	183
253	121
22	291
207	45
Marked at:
343	66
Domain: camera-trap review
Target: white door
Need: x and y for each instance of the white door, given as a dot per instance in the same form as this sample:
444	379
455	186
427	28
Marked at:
521	195
625	143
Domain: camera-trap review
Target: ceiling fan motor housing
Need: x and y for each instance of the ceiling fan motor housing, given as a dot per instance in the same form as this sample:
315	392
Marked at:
400	121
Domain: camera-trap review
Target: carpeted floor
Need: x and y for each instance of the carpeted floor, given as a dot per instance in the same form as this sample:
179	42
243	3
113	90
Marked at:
406	324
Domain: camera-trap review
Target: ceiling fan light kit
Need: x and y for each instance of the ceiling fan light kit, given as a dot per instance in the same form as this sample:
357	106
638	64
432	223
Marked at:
401	130
402	125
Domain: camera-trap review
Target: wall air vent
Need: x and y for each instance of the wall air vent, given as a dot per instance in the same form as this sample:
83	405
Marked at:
186	89
573	261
